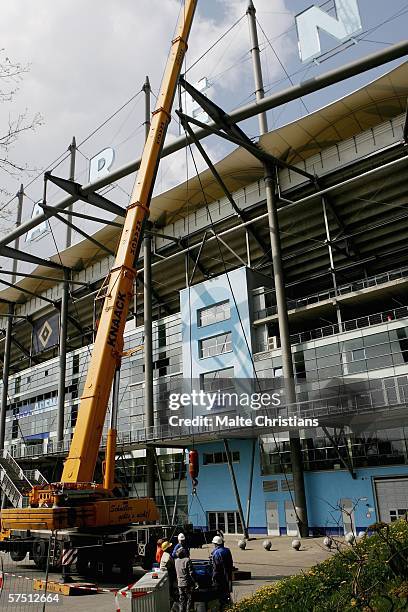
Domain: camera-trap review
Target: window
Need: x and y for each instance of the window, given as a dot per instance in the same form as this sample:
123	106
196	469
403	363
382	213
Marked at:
216	380
227	522
287	485
397	514
216	345
300	368
277	372
75	365
358	354
74	414
403	343
270	486
161	366
14	429
214	314
219	457
17	385
161	335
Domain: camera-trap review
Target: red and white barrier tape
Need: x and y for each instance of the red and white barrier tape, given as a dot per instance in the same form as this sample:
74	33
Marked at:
124	593
86	588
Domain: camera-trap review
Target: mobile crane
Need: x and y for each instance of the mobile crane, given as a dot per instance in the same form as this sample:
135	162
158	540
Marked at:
80	510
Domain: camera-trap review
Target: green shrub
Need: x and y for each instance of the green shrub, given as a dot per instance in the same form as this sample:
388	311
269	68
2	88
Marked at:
371	575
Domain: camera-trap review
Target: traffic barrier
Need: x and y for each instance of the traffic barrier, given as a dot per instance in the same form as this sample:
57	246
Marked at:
149	594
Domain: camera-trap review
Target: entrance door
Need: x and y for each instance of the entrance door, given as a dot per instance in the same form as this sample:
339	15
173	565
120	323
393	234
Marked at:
227	522
347	515
272	518
392	498
291	523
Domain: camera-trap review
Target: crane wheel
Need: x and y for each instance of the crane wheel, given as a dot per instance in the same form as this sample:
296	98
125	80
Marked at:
18	555
39	553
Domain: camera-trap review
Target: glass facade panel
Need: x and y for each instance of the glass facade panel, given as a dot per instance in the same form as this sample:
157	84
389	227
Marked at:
218	379
214	314
215	345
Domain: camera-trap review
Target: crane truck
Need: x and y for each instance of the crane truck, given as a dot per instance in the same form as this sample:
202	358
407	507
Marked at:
99	520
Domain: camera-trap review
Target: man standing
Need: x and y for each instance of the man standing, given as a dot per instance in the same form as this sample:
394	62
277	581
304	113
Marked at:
186	581
181	543
167	563
222	565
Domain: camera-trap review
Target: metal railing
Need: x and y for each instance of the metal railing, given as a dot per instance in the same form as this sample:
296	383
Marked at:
334	329
35	477
351	325
10	465
353	403
7	486
330	294
16	482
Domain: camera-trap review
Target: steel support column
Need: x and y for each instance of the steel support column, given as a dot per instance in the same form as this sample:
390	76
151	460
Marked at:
280	293
235	489
151	458
331	259
159	476
72	152
62	358
148	356
176	499
256	64
287	365
147	91
20	198
251	478
6	371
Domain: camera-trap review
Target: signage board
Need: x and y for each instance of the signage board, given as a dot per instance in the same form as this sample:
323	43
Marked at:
310	22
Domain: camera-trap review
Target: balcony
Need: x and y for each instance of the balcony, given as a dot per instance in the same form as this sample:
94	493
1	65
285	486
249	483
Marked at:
330	294
335	329
351	325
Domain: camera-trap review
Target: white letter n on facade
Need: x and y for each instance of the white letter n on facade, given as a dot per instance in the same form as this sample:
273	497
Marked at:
308	23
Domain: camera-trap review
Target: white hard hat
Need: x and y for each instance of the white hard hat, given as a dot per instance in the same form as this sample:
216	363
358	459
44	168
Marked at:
217	540
181	537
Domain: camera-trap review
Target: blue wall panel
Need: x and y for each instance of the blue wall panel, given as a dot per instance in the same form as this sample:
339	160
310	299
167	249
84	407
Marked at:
209	292
324	490
215	490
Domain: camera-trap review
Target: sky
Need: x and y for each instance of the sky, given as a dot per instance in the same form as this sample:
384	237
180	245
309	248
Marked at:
87	58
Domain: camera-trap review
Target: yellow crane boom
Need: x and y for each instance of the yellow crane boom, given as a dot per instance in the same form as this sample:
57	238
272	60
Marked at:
81	460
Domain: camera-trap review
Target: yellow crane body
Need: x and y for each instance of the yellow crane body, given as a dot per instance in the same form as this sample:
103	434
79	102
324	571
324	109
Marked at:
102	513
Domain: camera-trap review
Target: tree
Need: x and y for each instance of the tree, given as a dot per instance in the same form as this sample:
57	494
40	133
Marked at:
11	74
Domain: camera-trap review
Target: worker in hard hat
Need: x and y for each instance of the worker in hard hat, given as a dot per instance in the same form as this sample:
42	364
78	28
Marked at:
167	564
222	565
186	580
181	543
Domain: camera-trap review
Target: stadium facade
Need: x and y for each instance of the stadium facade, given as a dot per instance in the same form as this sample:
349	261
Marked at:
345	255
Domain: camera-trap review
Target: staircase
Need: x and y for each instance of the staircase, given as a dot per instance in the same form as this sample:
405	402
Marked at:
15	483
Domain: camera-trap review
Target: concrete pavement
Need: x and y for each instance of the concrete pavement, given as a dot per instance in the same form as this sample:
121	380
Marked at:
265	566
